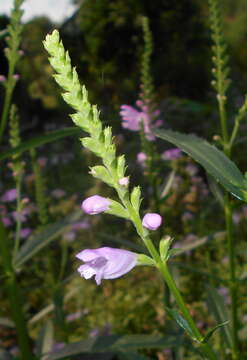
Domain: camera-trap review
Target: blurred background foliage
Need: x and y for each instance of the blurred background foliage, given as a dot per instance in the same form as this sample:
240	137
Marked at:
105	41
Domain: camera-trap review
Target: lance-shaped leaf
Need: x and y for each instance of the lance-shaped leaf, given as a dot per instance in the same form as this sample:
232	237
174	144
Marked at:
218	308
37	242
40	140
45	340
215	162
181	322
211	331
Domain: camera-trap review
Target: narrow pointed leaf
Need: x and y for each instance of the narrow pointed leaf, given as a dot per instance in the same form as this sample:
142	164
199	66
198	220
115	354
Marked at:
45	339
211	331
215	162
37	242
181	322
218	308
41	140
131	356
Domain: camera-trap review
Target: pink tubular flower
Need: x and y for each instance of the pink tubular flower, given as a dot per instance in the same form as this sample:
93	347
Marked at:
132	119
95	205
152	221
24	233
21	215
9	195
2	78
106	263
6	221
141	158
171	154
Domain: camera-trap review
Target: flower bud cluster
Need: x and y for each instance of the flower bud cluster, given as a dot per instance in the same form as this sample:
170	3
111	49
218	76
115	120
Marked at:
103	263
97	204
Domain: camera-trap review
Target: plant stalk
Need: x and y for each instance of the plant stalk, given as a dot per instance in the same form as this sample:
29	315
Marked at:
14	297
229	233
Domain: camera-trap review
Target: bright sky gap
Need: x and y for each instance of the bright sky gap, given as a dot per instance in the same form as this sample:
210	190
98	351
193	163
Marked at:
56	10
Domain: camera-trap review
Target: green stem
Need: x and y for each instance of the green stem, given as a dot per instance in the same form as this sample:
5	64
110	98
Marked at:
223	122
229	233
14	297
18	217
205	347
7	100
233	279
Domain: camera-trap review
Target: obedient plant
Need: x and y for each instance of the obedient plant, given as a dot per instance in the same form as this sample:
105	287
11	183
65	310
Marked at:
99	262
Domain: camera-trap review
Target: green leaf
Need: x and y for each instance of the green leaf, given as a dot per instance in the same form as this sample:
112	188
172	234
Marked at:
37	242
181	322
117	209
164	246
101	172
211	331
143	259
45	339
113	344
3	33
192	245
135	197
143	341
131	356
218	308
91	345
216	190
41	140
215	162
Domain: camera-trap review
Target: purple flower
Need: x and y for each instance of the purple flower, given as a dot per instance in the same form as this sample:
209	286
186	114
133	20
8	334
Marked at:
2	78
9	195
152	221
25	232
106	263
141	158
95	205
132	119
6	221
20	215
171	154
